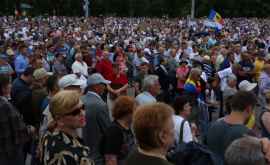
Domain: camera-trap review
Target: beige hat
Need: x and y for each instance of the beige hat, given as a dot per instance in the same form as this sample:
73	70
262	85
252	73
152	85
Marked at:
10	52
41	73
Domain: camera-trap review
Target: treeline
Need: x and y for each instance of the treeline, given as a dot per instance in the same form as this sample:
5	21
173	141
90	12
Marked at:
151	8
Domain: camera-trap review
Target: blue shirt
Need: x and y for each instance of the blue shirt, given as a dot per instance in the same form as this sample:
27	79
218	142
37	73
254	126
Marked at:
21	63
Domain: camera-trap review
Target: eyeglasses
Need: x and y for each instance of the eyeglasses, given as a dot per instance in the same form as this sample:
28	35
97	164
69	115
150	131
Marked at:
76	111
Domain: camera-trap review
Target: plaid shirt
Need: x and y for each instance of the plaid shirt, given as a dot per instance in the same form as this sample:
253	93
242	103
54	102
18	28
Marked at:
14	132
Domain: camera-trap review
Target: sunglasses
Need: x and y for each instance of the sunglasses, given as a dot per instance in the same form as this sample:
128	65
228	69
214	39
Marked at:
76	111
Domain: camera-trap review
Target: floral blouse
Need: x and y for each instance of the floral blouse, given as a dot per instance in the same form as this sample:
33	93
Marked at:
58	148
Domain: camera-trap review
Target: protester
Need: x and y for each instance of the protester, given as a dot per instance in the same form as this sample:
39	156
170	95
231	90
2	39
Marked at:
183	132
154	131
117	150
97	116
15	133
221	133
62	145
151	89
21	95
246	150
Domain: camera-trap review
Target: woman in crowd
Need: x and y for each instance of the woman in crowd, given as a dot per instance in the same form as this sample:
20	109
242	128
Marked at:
62	146
154	131
14	133
119	82
117	150
193	85
181	75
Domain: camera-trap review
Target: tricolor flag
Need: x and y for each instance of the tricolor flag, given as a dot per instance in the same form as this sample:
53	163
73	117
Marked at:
215	16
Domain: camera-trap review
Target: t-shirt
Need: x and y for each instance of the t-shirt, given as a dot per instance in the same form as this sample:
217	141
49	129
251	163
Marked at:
136	158
118	141
221	134
105	68
187	134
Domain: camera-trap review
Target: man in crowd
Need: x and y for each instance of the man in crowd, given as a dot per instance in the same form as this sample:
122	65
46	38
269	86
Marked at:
222	132
97	115
151	89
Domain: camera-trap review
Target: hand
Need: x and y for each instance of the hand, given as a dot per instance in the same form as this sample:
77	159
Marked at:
266	148
117	92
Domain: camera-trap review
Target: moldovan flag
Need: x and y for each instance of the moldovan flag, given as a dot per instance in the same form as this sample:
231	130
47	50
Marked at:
215	16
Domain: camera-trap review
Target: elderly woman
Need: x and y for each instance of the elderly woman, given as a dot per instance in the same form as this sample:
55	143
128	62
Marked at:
62	145
14	133
154	131
117	150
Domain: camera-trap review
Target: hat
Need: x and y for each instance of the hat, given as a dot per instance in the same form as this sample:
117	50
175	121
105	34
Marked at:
41	73
246	86
70	80
206	57
97	78
10	52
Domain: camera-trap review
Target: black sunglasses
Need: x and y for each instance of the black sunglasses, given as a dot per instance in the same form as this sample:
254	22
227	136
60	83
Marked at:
76	111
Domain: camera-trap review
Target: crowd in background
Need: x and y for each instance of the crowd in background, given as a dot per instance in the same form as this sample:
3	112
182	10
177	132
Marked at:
107	90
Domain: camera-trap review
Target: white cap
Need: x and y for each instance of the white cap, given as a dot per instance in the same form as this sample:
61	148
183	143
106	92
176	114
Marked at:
70	80
246	86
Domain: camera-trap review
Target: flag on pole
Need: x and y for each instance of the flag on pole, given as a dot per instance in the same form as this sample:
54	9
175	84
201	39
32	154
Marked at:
215	16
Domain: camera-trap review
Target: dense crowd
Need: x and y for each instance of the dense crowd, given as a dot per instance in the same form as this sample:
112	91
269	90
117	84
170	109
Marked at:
115	91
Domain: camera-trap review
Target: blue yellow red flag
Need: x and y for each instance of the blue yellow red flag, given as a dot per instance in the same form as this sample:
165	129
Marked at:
215	16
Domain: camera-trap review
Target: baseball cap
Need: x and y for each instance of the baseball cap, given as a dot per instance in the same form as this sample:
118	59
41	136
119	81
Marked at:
70	80
246	86
97	78
41	73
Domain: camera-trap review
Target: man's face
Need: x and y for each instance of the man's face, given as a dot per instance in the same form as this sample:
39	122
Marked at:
24	51
144	69
155	88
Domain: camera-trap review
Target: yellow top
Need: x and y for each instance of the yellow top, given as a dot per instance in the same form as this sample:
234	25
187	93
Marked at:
258	66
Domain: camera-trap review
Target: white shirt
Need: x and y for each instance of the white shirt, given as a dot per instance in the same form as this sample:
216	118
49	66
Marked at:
80	67
145	98
223	75
187	134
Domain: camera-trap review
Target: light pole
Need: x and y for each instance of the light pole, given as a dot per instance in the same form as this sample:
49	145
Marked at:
86	8
192	9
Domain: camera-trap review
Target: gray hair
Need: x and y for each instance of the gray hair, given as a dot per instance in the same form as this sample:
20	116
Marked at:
78	55
148	81
246	150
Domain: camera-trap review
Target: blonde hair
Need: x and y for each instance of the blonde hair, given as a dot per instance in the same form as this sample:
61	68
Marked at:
64	102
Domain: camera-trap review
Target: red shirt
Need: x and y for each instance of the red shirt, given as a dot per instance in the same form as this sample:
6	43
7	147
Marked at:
120	79
105	68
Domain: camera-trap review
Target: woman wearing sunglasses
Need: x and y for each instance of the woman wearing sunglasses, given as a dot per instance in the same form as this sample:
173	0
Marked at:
63	145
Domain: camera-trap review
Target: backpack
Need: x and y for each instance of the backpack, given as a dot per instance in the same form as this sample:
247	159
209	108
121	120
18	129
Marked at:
193	154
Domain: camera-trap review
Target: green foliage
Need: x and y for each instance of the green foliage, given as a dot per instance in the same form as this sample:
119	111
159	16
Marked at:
152	8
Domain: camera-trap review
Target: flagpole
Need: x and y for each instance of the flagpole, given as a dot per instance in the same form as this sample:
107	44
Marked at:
192	9
86	8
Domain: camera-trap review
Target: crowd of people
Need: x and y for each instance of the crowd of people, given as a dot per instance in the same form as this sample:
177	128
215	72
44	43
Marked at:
128	91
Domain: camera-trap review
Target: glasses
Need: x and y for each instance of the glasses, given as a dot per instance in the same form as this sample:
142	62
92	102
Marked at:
76	111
